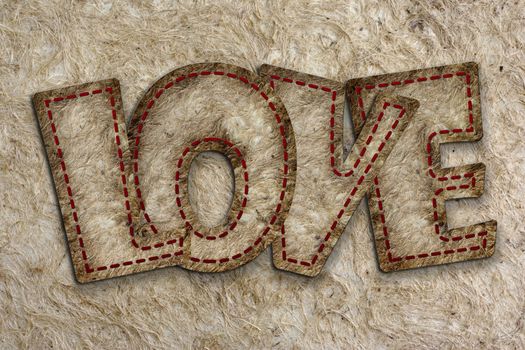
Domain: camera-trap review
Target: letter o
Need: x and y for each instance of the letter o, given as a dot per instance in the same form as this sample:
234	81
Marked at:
212	107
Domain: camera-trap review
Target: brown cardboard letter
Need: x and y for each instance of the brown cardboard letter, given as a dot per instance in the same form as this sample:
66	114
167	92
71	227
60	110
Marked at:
407	201
328	188
125	205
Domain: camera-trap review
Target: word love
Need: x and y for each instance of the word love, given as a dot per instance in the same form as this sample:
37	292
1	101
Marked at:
123	189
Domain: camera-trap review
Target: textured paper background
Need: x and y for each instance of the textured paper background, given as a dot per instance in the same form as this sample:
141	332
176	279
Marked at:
45	45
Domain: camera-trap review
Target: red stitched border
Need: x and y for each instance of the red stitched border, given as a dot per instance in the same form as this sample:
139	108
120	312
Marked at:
125	188
469	129
149	105
333	95
431	173
272	107
354	190
429	254
60	153
63	168
182	213
332	160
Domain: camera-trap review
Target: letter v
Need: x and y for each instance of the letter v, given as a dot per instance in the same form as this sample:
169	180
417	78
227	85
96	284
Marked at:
328	189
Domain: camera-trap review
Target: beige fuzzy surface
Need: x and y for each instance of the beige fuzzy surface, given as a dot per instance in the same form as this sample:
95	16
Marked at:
351	304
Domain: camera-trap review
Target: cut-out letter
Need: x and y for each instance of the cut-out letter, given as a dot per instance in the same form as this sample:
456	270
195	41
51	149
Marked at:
328	188
125	205
407	202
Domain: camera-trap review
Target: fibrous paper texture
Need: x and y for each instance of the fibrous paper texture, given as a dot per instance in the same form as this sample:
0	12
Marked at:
351	304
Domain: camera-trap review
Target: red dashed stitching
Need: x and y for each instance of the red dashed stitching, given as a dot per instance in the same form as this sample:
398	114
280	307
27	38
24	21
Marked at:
469	129
87	266
125	188
272	107
336	172
424	255
63	168
437	225
149	105
245	176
